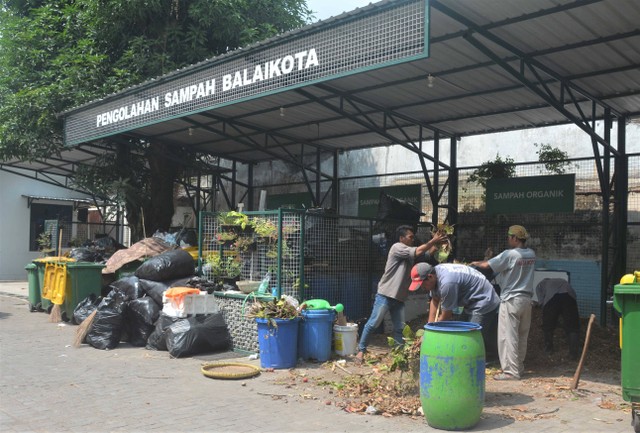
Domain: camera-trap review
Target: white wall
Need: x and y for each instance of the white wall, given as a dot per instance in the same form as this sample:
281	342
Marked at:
14	221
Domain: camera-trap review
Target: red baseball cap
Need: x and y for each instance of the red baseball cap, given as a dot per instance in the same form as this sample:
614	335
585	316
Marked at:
419	273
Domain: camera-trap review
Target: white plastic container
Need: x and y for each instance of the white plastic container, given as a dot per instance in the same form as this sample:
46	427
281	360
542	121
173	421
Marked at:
202	303
345	339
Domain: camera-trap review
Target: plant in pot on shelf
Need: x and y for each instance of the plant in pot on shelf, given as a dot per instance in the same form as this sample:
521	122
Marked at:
244	244
228	268
225	237
234	221
265	230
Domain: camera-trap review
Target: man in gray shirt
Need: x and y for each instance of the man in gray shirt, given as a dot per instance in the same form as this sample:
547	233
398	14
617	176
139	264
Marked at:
394	284
456	285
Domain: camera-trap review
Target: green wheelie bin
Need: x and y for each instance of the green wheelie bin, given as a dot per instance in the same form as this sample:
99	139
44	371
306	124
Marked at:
35	300
626	300
83	279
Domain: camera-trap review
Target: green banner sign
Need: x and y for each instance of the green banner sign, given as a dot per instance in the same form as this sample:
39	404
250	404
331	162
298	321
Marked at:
369	198
296	200
535	194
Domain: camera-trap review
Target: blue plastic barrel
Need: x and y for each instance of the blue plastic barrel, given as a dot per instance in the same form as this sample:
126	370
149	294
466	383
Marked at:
452	363
277	340
316	332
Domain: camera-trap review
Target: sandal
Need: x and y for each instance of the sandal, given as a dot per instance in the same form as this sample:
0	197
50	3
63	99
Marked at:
505	376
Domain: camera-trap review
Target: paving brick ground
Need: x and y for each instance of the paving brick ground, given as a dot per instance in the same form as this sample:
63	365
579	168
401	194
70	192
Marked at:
47	385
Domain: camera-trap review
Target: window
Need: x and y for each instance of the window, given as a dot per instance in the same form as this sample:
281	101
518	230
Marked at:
40	213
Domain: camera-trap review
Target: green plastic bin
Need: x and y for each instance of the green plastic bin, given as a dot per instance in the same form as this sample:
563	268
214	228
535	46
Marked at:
626	300
83	279
35	300
45	304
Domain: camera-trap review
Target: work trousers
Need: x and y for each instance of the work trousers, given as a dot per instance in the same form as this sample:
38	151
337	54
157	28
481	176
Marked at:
514	322
381	305
489	323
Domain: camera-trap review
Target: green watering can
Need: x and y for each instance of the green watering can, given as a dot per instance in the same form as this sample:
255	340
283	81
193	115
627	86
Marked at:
321	304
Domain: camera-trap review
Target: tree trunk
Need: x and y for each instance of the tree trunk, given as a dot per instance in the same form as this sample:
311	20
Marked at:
165	166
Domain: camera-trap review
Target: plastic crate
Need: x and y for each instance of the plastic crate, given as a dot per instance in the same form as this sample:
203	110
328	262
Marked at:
191	304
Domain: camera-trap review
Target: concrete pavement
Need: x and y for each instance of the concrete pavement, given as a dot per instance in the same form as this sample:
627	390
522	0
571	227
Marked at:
47	385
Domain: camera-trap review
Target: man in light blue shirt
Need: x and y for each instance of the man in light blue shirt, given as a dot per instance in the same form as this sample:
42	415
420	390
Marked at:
514	268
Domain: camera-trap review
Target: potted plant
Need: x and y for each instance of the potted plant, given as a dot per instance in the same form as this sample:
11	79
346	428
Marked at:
232	220
278	322
265	230
224	268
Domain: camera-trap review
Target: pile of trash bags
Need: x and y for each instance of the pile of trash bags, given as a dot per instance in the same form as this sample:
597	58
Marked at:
132	311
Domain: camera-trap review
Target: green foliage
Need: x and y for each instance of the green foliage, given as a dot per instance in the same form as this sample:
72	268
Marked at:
59	54
404	356
554	159
234	218
497	169
227	267
274	309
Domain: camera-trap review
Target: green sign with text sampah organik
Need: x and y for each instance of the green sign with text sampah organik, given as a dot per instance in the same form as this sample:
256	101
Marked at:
535	194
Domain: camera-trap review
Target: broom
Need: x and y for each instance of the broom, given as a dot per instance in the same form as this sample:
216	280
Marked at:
56	311
84	328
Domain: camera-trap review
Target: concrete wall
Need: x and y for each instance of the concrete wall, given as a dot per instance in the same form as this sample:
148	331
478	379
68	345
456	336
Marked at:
14	221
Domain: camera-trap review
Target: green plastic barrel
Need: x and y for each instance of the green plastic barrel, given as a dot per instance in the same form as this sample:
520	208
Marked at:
35	300
452	363
83	279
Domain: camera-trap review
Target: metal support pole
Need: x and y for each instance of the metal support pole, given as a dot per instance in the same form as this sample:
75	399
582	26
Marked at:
317	199
606	198
452	216
435	199
335	196
234	174
251	189
621	197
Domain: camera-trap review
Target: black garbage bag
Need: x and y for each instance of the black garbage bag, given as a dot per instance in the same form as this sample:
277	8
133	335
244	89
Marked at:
391	208
155	289
197	334
107	327
158	338
86	254
108	244
87	306
141	314
167	266
187	237
130	286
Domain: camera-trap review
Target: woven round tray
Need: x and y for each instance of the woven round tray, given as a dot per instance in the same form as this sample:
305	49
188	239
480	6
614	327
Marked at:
229	370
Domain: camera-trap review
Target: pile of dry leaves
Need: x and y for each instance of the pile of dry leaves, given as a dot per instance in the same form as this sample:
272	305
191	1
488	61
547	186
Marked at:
374	388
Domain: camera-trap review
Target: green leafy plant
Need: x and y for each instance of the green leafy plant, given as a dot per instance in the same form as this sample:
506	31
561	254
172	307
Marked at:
244	243
234	218
225	236
44	242
497	169
228	267
554	159
406	356
265	228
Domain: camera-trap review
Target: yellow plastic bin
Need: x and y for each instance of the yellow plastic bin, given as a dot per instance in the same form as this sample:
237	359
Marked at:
83	279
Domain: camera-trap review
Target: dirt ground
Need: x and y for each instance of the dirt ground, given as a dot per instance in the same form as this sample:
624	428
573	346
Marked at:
371	387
